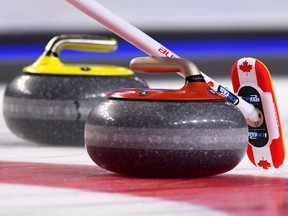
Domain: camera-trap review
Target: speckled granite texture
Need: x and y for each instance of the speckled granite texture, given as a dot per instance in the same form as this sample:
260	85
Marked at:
53	109
166	138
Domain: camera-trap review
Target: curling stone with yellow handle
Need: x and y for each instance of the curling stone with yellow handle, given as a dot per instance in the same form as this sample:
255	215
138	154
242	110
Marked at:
49	102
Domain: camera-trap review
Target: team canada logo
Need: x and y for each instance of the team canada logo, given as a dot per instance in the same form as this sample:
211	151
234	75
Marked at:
264	164
246	67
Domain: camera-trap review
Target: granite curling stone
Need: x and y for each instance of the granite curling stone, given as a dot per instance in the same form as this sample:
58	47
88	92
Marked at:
50	101
190	132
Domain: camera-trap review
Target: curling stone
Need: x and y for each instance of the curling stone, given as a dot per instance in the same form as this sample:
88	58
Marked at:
50	101
190	132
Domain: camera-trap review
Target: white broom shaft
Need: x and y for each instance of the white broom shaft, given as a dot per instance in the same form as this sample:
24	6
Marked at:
120	27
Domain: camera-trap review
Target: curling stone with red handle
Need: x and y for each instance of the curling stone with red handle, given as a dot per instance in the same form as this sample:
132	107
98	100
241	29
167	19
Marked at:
50	101
190	132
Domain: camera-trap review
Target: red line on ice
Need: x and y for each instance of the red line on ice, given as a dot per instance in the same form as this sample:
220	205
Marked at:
237	194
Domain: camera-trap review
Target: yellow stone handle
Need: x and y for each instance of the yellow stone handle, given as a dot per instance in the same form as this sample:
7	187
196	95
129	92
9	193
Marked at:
49	62
80	42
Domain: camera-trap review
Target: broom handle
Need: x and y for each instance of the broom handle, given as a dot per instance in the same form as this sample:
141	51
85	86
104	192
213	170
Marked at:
151	47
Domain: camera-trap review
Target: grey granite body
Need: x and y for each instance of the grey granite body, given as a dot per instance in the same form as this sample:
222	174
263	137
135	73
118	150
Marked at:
53	109
166	138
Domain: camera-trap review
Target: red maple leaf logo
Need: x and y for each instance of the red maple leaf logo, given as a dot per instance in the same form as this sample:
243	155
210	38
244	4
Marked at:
245	67
264	164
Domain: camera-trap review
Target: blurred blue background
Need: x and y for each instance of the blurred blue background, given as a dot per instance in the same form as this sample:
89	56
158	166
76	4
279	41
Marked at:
213	34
